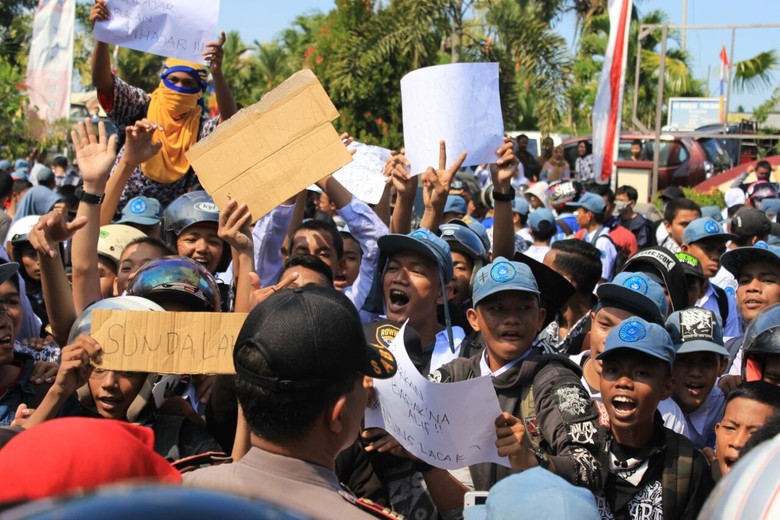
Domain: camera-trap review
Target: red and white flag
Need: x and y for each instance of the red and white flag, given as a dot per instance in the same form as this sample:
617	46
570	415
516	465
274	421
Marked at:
609	97
50	66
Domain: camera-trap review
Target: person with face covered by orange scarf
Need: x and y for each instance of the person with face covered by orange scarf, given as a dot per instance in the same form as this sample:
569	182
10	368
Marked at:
176	111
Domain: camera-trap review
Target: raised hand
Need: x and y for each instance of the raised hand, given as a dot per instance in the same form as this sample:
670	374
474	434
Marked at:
436	183
95	154
234	226
138	142
98	12
260	294
396	172
52	229
75	364
505	168
213	54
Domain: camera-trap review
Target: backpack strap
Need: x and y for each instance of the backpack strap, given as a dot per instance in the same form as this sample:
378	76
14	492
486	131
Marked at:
676	477
723	303
528	411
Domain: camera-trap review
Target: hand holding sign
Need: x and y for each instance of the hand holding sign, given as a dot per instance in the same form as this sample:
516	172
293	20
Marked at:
75	364
436	183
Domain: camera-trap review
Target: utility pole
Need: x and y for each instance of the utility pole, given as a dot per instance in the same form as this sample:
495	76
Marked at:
684	22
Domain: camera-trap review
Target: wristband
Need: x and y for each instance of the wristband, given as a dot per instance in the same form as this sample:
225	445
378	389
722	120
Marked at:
89	198
504	197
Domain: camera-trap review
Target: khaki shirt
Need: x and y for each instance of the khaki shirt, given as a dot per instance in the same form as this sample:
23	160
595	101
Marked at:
285	481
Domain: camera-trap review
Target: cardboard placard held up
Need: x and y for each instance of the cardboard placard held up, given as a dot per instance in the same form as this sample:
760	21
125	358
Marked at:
167	342
270	151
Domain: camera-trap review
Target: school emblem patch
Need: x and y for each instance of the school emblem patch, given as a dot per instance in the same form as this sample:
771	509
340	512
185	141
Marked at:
632	331
711	227
636	283
502	272
138	206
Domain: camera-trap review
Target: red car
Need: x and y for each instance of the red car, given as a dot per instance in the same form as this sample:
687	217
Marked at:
683	161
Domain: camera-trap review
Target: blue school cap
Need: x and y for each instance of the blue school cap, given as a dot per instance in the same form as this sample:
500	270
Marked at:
696	330
503	275
642	336
702	228
634	292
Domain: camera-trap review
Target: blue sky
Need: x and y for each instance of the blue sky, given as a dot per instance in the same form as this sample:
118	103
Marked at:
264	20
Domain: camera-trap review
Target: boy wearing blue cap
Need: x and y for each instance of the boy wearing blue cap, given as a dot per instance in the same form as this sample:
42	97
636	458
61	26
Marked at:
705	239
700	358
648	467
543	228
548	419
628	294
591	213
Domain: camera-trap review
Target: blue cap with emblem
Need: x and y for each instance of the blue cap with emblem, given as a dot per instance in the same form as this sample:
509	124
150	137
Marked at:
503	275
143	211
634	292
642	336
702	228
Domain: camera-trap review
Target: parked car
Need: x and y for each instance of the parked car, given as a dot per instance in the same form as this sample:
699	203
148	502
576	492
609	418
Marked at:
535	140
682	161
724	180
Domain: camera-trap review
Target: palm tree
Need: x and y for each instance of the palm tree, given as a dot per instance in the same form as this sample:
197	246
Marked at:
755	73
271	64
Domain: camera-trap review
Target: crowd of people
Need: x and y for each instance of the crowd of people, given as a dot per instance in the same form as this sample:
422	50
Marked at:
634	352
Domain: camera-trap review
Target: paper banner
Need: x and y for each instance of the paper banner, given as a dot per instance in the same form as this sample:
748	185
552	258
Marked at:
270	151
458	103
167	342
363	177
177	28
447	425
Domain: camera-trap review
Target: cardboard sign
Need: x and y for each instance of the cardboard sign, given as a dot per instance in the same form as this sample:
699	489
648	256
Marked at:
270	151
458	103
176	28
167	342
449	426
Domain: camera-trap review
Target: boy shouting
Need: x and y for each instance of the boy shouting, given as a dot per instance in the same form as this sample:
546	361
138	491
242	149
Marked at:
652	472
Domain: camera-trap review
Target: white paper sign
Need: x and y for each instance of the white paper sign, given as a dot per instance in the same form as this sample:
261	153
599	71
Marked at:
458	103
363	177
175	28
447	425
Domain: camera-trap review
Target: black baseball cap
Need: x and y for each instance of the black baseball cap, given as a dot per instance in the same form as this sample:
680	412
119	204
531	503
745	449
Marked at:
671	193
750	222
310	337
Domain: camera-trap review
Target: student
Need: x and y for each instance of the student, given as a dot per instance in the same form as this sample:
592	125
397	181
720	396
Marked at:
761	347
82	391
747	409
757	270
629	294
416	273
591	214
695	280
468	256
310	271
648	466
320	373
580	264
626	198
663	267
705	239
16	367
520	211
543	228
454	208
543	401
678	213
700	358
112	241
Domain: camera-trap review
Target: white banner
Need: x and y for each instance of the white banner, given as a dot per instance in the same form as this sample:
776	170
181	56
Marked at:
174	28
458	103
447	425
50	65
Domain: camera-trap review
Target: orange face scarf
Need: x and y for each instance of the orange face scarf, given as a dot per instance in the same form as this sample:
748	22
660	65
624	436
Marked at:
179	114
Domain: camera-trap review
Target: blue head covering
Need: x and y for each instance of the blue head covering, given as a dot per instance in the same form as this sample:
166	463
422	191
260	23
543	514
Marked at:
38	200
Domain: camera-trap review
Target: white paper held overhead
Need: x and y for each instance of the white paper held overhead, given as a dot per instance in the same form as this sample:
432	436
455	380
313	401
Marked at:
175	28
458	103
